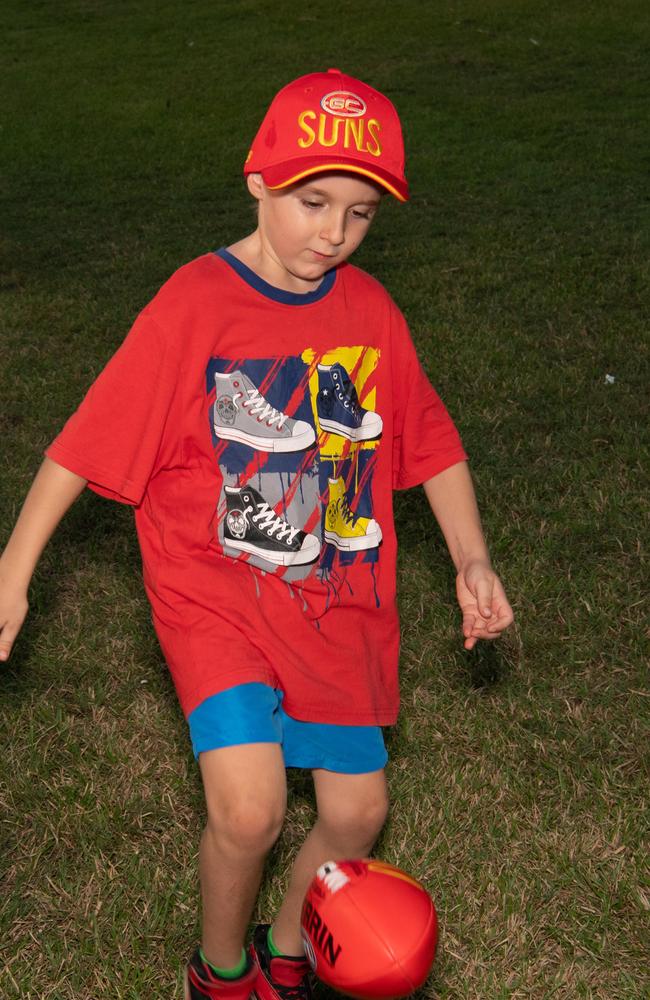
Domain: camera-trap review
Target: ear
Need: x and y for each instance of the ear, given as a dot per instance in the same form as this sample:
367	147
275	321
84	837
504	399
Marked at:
255	185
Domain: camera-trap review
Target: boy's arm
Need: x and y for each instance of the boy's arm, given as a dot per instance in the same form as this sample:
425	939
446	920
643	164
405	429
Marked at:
53	491
482	599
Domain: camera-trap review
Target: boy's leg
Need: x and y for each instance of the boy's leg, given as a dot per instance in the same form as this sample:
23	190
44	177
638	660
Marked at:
245	791
352	809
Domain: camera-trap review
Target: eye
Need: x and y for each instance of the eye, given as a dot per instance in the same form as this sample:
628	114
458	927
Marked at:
311	204
359	213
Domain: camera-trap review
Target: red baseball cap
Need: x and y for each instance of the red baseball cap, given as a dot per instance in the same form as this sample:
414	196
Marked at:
329	121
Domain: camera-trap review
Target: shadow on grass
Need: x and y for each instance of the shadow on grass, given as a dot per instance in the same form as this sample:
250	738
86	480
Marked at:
484	667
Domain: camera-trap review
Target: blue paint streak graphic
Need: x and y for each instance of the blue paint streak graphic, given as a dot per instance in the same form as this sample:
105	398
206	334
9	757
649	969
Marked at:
374	583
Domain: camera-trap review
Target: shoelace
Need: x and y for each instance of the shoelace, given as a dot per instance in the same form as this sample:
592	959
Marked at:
344	510
259	406
347	394
272	523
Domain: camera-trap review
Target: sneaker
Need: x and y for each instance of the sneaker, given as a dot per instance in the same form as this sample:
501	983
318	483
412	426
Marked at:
201	983
342	528
338	406
252	526
242	414
280	978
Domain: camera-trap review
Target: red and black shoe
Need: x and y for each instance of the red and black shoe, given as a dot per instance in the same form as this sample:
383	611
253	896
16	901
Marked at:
281	977
201	983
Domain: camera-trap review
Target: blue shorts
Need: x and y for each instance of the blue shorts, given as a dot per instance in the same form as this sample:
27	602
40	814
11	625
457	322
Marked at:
253	713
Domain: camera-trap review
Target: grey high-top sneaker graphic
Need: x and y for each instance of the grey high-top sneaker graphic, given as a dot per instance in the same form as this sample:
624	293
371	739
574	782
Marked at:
339	410
241	413
251	525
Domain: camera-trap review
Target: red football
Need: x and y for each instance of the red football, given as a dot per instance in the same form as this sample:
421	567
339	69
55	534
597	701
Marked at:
370	930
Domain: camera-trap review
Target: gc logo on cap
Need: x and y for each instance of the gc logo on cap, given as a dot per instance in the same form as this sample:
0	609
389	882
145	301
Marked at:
344	103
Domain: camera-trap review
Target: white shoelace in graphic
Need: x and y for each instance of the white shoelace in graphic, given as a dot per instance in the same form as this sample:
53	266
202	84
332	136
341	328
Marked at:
261	409
272	523
346	393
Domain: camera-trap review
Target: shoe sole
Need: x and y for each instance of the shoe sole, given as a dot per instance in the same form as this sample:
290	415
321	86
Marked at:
352	434
353	544
275	445
277	558
186	989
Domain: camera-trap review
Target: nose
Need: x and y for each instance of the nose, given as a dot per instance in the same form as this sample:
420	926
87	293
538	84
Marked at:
333	229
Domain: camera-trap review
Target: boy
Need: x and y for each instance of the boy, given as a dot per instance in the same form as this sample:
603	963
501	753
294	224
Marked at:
257	417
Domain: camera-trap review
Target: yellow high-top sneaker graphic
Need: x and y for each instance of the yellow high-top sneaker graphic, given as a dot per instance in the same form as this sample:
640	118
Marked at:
342	528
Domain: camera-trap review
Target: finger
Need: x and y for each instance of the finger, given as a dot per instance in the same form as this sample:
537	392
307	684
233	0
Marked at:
500	601
469	622
482	633
472	614
486	632
484	595
7	637
505	618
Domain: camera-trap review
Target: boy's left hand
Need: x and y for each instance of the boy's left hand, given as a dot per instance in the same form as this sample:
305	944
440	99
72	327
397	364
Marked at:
483	601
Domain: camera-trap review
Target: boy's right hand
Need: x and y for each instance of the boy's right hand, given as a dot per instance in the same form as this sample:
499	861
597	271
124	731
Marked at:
54	489
13	610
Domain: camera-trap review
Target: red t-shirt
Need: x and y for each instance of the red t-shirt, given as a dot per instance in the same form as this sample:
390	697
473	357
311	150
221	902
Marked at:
259	435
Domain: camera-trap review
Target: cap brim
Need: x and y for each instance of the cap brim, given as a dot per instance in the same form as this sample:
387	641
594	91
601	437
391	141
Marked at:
284	174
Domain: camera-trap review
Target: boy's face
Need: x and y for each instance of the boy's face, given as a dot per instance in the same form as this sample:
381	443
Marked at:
311	227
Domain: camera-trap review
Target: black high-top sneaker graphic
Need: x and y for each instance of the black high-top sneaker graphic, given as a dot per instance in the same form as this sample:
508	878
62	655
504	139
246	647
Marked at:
251	525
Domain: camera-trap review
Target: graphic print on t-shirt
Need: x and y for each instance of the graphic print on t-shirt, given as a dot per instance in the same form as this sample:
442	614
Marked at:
295	440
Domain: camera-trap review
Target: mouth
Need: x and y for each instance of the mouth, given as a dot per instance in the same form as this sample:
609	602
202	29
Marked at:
323	256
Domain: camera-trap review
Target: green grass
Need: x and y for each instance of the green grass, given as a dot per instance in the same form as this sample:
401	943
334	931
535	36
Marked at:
519	774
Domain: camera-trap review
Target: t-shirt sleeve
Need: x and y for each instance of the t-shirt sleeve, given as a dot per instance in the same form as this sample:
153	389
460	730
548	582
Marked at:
426	441
114	437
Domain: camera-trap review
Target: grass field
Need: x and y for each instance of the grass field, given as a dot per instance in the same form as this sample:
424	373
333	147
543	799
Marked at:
519	773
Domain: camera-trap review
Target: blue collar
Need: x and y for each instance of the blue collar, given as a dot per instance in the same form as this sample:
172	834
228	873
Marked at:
278	294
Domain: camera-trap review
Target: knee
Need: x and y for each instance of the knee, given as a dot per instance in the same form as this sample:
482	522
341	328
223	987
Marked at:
356	820
246	825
